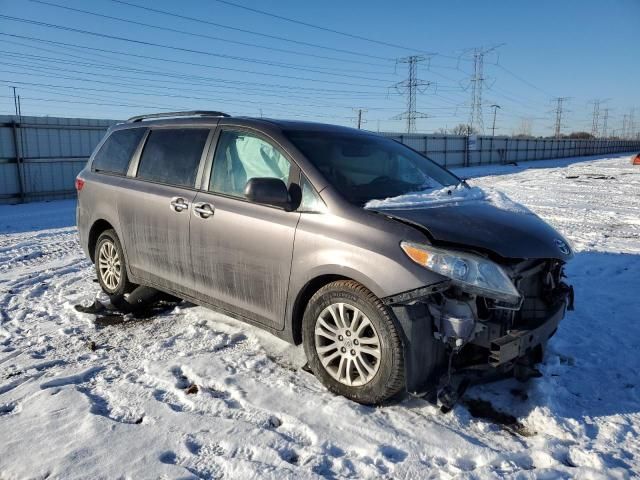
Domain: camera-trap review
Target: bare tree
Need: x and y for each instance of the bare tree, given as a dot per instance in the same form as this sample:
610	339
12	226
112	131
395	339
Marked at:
463	129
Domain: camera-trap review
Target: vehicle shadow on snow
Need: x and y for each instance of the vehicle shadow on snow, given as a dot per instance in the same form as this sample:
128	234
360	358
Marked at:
591	364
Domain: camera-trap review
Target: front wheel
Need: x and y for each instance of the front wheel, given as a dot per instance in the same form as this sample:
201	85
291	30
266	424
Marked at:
352	343
111	266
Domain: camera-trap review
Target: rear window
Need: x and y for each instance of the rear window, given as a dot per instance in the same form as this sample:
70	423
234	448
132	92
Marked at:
117	150
172	156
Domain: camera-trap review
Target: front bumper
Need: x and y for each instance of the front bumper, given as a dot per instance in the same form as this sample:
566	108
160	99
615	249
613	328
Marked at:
520	342
494	351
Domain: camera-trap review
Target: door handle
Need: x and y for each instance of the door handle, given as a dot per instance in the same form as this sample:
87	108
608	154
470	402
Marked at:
203	210
178	204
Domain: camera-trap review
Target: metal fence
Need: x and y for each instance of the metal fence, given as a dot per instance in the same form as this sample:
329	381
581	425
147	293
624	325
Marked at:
41	156
463	151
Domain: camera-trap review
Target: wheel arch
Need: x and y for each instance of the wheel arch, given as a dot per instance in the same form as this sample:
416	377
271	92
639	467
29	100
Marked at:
97	228
308	290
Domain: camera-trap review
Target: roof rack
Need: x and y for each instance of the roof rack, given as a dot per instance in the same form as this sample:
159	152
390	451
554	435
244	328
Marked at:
191	113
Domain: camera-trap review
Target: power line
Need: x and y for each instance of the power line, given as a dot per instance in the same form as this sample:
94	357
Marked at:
183	62
523	80
148	92
410	86
237	29
111	103
318	27
201	81
211	37
188	50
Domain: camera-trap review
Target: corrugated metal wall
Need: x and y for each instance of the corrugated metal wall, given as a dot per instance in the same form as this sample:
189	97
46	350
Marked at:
457	151
53	150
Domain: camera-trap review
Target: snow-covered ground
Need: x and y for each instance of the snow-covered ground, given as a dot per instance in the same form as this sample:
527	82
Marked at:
81	400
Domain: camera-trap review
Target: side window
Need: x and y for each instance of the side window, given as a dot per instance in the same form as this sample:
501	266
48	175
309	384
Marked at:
311	201
117	150
241	156
172	156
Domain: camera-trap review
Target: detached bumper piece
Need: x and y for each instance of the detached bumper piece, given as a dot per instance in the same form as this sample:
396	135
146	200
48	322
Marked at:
518	343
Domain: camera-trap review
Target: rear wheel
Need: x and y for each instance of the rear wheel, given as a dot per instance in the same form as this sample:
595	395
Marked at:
111	265
352	343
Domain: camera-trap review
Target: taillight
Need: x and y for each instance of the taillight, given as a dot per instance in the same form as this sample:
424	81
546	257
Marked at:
79	184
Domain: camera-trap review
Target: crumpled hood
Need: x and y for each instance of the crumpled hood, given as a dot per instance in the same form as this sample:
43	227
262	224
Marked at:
481	224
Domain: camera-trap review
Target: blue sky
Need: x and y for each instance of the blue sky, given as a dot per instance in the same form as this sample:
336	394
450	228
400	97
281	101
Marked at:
584	50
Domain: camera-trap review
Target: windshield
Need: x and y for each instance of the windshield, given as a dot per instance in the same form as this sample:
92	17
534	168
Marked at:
368	167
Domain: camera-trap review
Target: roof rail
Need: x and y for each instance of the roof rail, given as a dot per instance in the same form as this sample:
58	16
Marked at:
191	113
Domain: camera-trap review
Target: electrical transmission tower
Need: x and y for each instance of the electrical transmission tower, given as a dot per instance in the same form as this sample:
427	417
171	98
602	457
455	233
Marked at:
605	121
525	126
476	118
625	126
595	121
559	111
411	86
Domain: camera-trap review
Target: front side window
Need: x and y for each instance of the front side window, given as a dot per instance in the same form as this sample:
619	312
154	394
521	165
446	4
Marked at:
311	201
364	167
172	156
242	156
117	150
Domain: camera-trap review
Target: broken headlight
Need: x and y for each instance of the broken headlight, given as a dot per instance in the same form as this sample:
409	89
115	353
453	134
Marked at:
470	272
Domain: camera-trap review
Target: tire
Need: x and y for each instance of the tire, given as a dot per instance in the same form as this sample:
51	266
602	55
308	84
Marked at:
111	266
361	376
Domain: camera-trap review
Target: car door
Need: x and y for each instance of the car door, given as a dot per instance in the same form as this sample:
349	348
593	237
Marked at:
241	251
155	205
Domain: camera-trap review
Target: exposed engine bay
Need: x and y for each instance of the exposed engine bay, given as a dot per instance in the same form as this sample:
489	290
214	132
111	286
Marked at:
483	336
462	318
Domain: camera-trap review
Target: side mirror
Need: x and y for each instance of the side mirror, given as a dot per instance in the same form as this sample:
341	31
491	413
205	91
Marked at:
270	191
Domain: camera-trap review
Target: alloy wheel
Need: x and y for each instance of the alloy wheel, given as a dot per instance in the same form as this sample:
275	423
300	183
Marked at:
347	344
109	265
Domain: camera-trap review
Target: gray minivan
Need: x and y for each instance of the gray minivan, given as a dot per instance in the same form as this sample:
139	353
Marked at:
293	226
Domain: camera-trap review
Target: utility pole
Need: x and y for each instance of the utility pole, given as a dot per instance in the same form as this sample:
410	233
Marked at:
493	128
411	87
15	103
559	110
18	142
360	120
476	118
